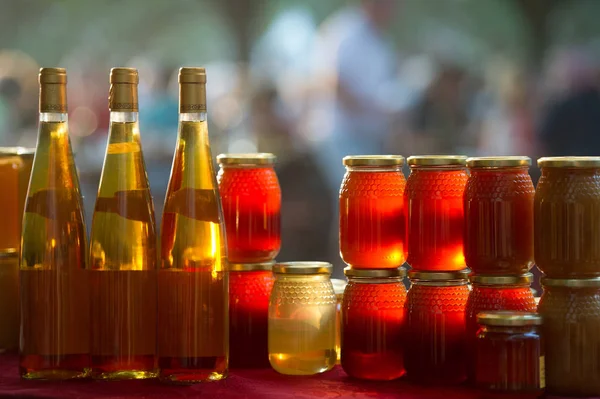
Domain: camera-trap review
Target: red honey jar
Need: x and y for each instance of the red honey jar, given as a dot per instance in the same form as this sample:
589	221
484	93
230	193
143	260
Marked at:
510	354
372	222
372	318
249	290
434	209
498	204
434	332
251	200
491	293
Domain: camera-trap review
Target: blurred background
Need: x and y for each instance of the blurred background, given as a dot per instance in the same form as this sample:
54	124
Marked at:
312	81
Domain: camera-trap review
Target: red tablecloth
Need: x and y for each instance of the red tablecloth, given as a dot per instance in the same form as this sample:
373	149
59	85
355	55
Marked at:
261	384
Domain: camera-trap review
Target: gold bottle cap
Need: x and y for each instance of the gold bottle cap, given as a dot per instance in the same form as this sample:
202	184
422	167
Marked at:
498	162
251	267
375	273
568	282
53	90
437	160
373	160
569	162
192	90
439	276
303	268
509	318
260	158
526	278
123	96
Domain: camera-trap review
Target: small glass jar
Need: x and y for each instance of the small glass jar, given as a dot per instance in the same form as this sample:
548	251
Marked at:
499	215
491	293
338	289
9	300
251	200
567	217
372	319
302	319
435	212
571	312
372	221
250	286
510	354
434	333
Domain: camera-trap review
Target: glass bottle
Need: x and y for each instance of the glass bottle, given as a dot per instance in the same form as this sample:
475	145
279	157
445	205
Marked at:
372	320
372	219
499	215
54	287
193	342
123	247
435	212
302	319
251	199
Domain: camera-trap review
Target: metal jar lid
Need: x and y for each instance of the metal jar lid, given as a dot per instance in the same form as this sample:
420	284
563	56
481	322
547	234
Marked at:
498	162
439	276
569	162
509	318
299	268
251	267
375	273
373	160
571	282
260	158
526	278
437	160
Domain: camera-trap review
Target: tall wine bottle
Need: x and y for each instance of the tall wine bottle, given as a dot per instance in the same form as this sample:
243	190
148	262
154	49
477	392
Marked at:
54	339
193	282
123	251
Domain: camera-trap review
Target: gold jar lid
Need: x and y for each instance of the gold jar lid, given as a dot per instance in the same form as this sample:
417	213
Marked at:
526	278
259	158
571	282
437	160
339	286
20	151
373	160
375	273
439	276
569	162
509	318
498	162
251	267
303	268
9	253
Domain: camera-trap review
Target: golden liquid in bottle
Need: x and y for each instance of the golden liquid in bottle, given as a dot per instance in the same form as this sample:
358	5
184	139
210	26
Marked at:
54	283
193	282
123	262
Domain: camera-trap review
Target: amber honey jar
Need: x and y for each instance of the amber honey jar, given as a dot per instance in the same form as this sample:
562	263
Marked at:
434	331
494	293
510	354
249	290
251	200
498	204
571	312
435	212
567	217
372	320
372	221
9	300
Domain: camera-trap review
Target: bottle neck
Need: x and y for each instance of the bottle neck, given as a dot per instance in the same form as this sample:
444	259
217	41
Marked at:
54	117
123	117
192	117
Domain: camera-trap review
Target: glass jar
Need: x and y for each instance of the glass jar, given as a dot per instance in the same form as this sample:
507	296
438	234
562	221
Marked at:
372	318
251	200
510	353
372	221
338	289
9	300
567	217
249	290
434	203
434	333
495	293
571	313
499	215
302	319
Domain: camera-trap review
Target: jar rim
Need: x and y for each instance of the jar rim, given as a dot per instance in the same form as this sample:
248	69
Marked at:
526	278
498	162
258	158
303	267
375	273
21	151
571	282
9	253
439	276
508	318
569	162
373	160
248	267
437	160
